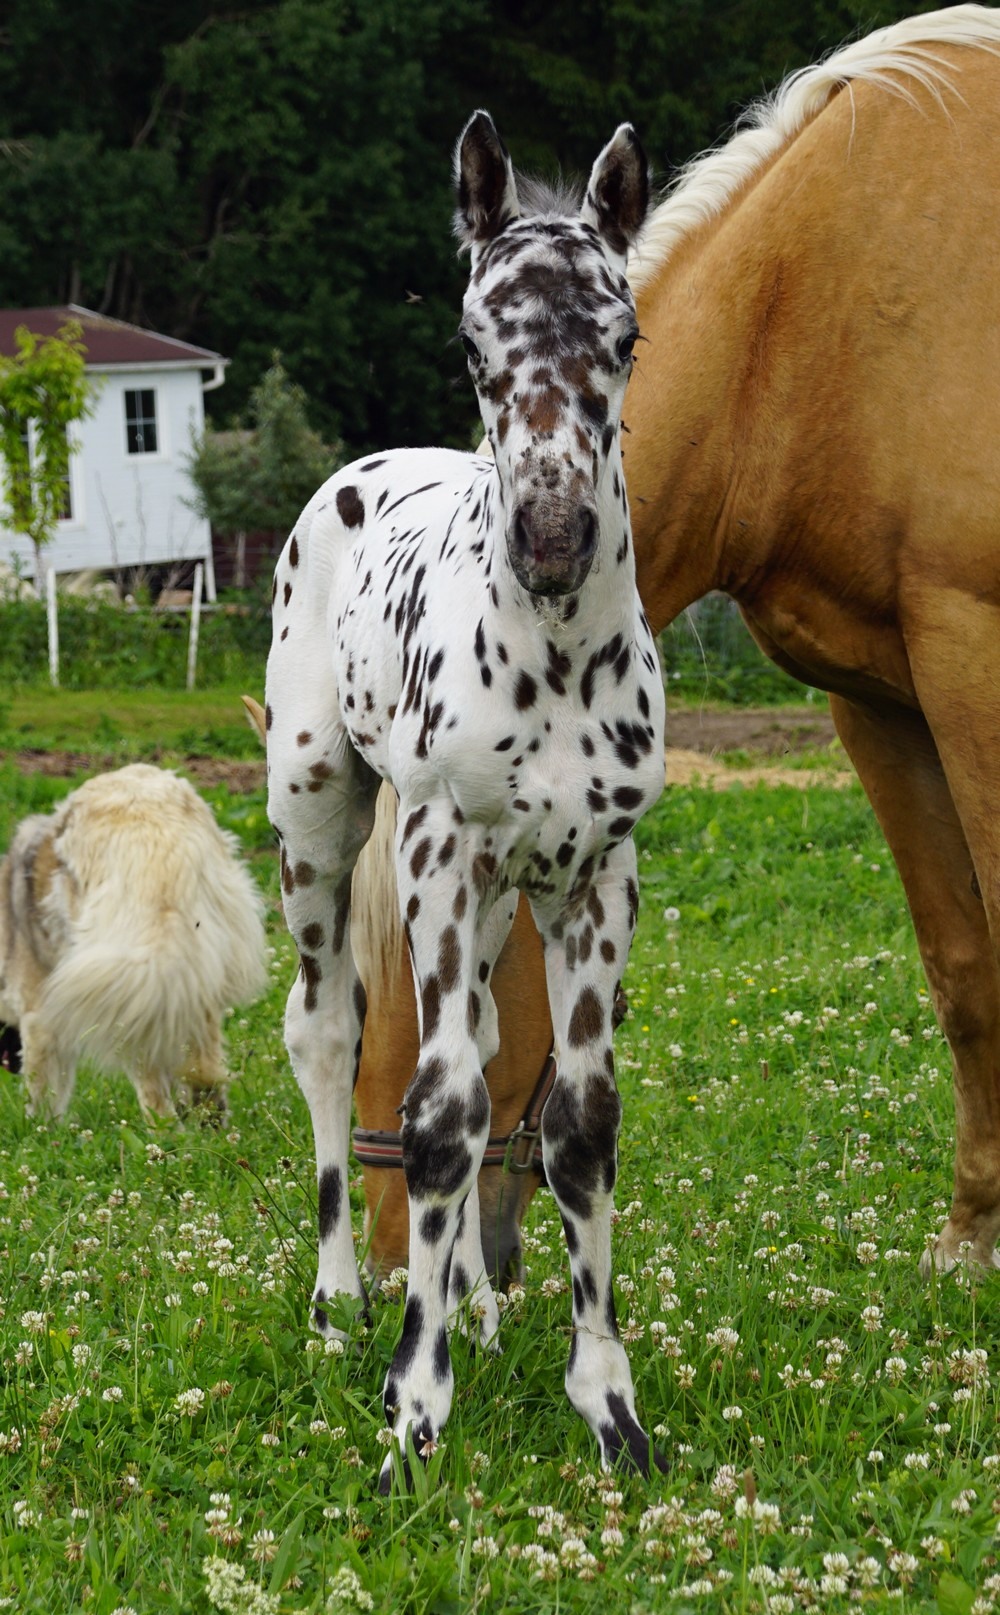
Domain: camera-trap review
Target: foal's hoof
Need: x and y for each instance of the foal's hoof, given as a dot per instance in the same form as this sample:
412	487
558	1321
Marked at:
625	1444
349	1309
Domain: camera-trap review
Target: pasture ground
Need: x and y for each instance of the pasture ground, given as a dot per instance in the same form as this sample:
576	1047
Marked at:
173	1438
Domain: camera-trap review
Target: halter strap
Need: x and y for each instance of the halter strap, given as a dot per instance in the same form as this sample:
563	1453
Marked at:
378	1147
518	1152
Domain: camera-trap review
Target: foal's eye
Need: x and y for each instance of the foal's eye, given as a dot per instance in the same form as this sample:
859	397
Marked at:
626	345
470	347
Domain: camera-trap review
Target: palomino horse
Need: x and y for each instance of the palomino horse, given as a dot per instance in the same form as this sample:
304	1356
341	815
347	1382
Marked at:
469	628
815	429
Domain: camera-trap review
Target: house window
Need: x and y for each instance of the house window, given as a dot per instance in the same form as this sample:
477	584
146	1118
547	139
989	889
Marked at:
140	420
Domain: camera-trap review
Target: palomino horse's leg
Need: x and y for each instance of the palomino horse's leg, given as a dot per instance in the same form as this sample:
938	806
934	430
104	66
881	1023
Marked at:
446	1110
321	801
584	961
901	771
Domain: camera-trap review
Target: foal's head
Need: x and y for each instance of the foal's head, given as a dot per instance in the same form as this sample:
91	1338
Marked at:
548	326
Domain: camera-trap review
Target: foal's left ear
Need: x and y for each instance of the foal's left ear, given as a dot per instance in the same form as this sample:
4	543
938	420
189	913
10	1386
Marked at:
484	183
617	197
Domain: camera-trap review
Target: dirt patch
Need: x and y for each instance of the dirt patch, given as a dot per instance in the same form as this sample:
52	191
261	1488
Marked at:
758	730
239	777
695	741
768	738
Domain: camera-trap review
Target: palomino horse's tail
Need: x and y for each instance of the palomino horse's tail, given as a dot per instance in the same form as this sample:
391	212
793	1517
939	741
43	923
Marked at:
376	930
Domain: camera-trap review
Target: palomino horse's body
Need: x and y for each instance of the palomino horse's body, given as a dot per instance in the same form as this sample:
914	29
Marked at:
815	429
469	629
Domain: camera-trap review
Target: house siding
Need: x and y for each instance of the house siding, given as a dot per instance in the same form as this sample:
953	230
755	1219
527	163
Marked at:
129	509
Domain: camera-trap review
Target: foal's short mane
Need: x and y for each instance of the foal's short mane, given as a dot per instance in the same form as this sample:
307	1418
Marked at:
889	57
542	198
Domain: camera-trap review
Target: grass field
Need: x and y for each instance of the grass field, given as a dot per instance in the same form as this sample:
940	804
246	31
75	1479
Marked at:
174	1439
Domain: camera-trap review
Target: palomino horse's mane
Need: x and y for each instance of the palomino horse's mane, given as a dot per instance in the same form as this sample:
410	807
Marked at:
895	57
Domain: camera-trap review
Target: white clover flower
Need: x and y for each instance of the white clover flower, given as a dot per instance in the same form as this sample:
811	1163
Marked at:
903	1564
189	1403
868	1571
832	1585
895	1370
269	1439
723	1339
917	1460
347	1592
732	1413
112	1393
33	1322
263	1546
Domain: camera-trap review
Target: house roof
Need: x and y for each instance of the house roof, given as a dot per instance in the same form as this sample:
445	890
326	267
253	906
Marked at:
107	341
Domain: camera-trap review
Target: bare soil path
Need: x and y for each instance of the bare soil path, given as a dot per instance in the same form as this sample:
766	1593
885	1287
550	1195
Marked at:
696	741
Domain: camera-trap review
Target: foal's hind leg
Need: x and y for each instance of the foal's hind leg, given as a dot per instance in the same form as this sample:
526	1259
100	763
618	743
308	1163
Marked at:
321	800
584	961
902	773
468	1276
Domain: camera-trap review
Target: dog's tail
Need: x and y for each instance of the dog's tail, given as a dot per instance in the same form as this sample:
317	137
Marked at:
153	996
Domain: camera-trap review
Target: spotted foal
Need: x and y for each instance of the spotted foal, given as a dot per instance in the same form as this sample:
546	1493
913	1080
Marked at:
469	629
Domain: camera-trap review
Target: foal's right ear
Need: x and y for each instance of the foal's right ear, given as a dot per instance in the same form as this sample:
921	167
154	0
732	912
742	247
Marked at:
484	183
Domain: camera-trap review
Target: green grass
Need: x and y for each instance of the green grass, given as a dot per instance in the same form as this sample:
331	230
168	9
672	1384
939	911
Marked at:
131	725
785	1153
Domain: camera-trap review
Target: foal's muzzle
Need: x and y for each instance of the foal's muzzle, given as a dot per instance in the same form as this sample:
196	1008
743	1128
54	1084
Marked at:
551	553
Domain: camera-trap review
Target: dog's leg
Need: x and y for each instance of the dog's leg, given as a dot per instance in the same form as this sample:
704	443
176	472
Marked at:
49	1070
154	1089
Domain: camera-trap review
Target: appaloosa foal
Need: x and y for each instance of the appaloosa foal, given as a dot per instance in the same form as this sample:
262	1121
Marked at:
469	629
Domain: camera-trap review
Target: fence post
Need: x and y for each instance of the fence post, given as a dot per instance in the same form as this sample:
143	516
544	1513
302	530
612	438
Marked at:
195	625
53	620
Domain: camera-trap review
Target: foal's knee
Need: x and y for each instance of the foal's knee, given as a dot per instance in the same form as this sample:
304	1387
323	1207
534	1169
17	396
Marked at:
580	1135
442	1128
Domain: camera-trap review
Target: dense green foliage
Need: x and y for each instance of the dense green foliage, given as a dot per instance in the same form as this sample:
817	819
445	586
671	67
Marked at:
260	475
707	653
830	1420
44	388
105	647
277	175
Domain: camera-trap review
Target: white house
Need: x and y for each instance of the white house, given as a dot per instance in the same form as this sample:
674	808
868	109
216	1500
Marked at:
128	487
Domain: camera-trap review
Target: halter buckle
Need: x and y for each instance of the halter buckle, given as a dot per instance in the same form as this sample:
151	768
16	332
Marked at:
521	1135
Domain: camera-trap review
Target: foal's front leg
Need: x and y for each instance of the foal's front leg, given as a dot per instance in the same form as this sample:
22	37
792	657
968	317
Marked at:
584	962
446	1113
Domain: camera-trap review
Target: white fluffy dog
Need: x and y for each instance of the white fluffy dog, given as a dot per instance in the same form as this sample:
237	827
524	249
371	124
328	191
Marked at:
127	926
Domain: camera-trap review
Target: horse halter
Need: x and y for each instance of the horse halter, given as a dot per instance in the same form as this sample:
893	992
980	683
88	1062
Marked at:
517	1152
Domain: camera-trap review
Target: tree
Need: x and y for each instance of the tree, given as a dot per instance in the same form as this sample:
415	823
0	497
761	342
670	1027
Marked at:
43	389
257	476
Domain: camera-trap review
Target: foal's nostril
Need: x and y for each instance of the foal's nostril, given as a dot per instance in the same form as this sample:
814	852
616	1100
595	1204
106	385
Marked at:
587	522
521	531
